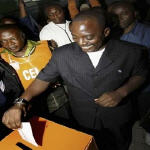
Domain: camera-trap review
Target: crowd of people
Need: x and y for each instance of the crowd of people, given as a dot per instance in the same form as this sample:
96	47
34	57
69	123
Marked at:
102	56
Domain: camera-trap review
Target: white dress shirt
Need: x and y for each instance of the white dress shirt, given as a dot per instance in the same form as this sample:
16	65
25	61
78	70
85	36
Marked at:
57	32
95	57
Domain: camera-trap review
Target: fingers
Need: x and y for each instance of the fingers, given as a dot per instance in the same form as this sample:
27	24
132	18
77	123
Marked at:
106	100
12	119
105	103
103	99
54	43
11	123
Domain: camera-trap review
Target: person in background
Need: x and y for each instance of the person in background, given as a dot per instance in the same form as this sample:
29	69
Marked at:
100	76
25	21
10	89
134	32
142	8
57	30
73	10
10	84
28	58
22	54
28	21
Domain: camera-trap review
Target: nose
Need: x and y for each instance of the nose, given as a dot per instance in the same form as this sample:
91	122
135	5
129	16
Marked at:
82	42
54	15
121	17
10	43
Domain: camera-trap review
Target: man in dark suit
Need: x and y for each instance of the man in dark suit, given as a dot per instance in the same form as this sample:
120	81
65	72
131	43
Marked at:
100	77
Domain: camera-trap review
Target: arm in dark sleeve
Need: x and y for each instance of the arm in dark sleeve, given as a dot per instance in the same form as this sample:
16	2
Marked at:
141	66
138	75
28	21
42	81
50	72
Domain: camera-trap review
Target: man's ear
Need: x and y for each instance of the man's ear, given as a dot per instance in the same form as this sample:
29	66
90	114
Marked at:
136	14
23	36
106	32
70	26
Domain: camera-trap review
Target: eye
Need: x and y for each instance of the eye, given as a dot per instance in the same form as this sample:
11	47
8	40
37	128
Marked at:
58	12
13	39
89	37
50	15
74	37
3	42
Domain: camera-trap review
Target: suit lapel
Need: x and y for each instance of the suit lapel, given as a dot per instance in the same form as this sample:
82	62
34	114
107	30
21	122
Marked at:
104	62
106	59
83	59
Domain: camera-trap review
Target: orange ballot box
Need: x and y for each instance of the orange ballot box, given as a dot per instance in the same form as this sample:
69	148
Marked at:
49	136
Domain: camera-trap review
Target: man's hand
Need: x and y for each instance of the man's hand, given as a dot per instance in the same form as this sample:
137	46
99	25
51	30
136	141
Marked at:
52	44
12	117
109	99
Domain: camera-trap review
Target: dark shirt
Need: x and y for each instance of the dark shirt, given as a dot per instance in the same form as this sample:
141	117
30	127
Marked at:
31	27
140	34
119	62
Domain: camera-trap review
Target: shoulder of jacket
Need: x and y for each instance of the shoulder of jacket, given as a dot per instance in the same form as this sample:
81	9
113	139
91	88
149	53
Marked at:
124	48
65	49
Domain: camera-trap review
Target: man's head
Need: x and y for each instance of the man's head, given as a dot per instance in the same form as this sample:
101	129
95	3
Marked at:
12	38
7	20
125	12
55	13
89	30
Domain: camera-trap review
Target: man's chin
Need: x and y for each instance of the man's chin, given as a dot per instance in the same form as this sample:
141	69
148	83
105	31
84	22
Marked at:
88	49
123	26
85	50
13	50
57	22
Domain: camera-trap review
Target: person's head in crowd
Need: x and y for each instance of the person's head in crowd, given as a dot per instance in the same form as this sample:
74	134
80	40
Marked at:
13	39
32	35
84	6
7	20
55	13
126	14
89	30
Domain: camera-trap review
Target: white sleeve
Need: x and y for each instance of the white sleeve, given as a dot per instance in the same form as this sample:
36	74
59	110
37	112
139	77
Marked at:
45	34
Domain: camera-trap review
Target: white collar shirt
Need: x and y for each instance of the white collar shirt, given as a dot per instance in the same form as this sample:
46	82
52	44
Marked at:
57	32
95	57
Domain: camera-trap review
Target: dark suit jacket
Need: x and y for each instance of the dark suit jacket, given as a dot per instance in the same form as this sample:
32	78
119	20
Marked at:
119	62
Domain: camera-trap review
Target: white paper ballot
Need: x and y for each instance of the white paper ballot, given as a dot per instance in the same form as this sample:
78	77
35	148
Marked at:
26	133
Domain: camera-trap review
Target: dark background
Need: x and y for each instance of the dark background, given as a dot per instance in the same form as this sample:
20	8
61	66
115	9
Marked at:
36	7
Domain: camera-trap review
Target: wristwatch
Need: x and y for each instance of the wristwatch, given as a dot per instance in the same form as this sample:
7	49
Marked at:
21	101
